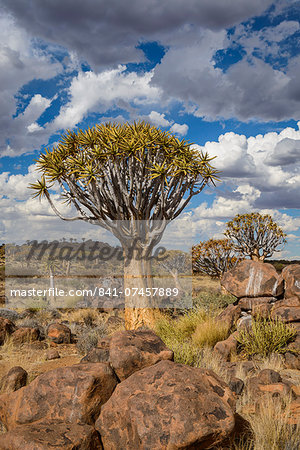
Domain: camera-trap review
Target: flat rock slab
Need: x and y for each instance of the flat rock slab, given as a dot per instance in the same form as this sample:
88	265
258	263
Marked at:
68	394
51	435
167	406
253	279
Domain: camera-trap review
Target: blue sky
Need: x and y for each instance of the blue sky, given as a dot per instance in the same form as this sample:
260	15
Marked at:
223	75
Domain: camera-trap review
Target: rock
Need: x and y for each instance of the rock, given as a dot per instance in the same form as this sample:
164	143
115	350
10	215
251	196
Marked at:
295	412
269	376
256	389
295	345
259	306
25	334
96	355
9	314
263	310
230	315
242	367
51	435
267	382
52	353
59	333
245	322
7	327
15	378
227	347
287	310
99	353
68	394
130	351
296	390
253	279
167	405
292	361
115	321
275	389
291	276
236	385
248	303
296	326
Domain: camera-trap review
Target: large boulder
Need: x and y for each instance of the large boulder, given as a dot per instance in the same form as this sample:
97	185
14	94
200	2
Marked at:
291	276
253	279
68	394
15	378
167	406
129	351
51	435
7	327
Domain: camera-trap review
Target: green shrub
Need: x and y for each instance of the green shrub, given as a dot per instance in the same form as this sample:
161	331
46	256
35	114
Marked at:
265	336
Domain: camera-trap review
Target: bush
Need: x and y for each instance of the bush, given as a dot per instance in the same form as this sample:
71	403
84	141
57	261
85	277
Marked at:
89	338
265	336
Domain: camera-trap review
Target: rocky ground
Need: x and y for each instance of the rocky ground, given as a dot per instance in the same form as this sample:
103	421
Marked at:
77	379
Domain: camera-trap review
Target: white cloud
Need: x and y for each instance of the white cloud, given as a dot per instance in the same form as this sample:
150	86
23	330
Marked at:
98	92
260	85
179	129
158	119
266	163
20	62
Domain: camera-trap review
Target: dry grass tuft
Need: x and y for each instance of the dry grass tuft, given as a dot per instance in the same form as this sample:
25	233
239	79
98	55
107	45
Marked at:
272	427
209	333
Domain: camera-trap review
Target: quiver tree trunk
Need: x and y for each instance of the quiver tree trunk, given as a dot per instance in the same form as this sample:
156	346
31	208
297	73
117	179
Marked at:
140	309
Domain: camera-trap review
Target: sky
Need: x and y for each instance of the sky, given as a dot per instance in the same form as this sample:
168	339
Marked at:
223	75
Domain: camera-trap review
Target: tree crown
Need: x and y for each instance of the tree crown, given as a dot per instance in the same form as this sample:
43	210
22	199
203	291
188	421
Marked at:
124	172
255	235
214	257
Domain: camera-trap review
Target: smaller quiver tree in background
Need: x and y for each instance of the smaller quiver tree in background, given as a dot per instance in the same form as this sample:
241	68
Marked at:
255	236
214	257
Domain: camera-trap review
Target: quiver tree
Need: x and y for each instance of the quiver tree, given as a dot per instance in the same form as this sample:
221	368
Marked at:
254	235
214	257
130	179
